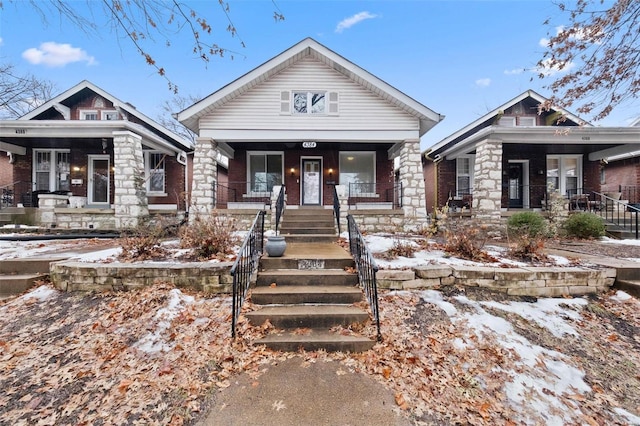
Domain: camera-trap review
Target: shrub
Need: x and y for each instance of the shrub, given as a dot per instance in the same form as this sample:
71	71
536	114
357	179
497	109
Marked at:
528	248
531	224
584	225
143	242
400	248
210	236
467	242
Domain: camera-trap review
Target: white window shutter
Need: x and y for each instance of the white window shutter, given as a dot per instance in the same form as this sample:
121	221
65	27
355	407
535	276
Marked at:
285	103
333	103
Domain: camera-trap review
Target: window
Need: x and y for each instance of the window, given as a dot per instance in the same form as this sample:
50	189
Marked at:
527	121
464	175
110	115
264	170
88	115
51	170
309	103
155	171
507	121
564	173
358	172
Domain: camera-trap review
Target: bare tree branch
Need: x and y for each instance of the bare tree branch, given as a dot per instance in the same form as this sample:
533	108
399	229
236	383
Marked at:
600	52
20	94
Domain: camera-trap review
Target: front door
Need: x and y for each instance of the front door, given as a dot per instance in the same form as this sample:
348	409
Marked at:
311	182
515	185
98	188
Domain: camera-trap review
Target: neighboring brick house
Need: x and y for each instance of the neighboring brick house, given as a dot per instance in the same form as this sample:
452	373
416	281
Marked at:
510	157
91	160
310	121
621	171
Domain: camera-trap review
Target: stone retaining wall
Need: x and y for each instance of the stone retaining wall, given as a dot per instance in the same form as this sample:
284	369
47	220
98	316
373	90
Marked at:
82	276
524	281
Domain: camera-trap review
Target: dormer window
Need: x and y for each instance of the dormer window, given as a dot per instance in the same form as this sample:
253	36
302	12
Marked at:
507	122
527	121
110	115
88	115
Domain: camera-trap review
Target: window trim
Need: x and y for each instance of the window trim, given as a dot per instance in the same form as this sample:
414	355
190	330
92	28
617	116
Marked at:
251	193
85	112
309	94
562	182
53	168
472	161
106	112
147	174
374	168
331	99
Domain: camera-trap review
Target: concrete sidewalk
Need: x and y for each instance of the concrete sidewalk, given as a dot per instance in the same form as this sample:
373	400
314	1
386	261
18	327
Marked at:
297	393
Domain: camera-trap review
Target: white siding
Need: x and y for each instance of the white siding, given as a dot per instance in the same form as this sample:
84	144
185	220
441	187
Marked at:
359	109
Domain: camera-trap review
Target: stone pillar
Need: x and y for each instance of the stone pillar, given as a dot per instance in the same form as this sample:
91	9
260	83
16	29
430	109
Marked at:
413	190
47	205
205	167
130	196
487	182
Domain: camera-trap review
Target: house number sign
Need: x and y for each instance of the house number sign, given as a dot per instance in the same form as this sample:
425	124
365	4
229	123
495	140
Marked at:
308	144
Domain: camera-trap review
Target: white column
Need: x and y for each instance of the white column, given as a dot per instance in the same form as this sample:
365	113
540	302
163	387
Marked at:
130	196
205	168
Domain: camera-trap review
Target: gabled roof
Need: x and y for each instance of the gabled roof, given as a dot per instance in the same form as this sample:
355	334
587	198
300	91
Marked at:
178	141
490	117
308	47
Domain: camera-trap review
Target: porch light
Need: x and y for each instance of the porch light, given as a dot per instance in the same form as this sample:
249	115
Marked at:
293	172
76	168
330	172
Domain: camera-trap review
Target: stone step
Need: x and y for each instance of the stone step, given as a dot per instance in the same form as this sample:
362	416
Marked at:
308	316
19	283
312	238
27	265
315	340
303	277
286	295
630	286
309	221
288	231
267	263
317	212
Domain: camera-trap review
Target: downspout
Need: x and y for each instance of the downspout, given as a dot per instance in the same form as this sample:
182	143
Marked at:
183	158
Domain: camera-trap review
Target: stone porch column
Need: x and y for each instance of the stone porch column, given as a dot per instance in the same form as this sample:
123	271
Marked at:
130	196
205	167
413	190
487	184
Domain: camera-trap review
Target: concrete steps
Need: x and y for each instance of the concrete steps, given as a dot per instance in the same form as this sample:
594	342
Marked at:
308	225
19	275
304	294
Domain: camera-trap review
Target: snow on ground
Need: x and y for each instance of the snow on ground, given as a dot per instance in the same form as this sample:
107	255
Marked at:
542	375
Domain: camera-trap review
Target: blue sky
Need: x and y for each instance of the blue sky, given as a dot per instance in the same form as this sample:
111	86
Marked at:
459	58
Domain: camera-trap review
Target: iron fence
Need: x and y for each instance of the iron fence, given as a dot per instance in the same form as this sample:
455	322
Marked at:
245	266
366	267
376	193
239	193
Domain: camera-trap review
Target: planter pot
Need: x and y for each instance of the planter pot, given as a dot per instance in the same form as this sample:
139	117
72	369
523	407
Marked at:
275	246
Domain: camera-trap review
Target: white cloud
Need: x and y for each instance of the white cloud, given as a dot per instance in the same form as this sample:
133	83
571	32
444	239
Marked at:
1	41
54	54
352	20
547	70
514	71
579	34
483	82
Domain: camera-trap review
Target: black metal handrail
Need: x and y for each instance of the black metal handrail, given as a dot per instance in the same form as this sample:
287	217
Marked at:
376	193
19	192
336	208
245	266
615	212
366	267
279	207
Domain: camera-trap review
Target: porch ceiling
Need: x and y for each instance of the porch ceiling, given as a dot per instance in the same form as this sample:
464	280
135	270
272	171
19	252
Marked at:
546	135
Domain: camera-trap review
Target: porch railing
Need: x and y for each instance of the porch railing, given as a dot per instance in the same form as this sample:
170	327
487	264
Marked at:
376	193
336	208
245	266
366	267
622	215
22	193
279	207
630	193
238	193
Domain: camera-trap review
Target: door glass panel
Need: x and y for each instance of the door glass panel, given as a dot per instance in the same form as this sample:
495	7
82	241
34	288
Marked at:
311	181
62	171
100	177
43	167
